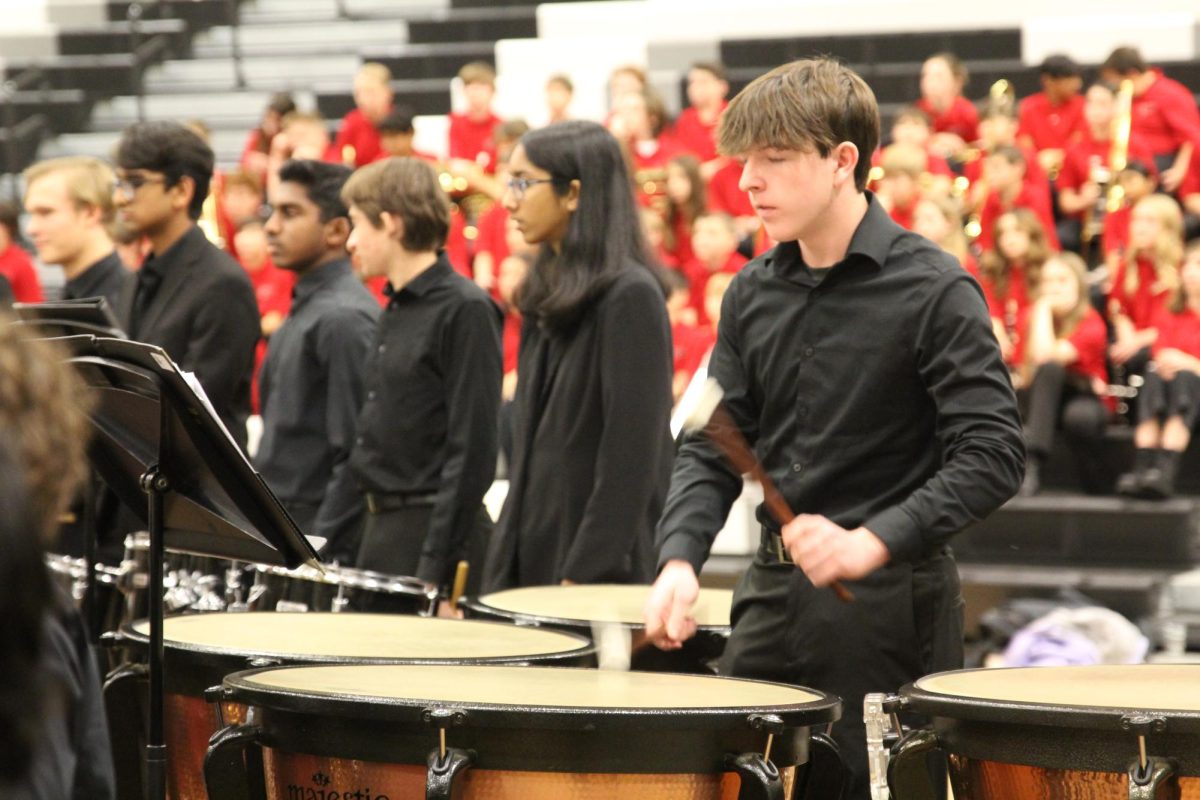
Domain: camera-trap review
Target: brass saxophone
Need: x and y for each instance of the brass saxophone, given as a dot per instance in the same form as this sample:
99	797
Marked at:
1112	195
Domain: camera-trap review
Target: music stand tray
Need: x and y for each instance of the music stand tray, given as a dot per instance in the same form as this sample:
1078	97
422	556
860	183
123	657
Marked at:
87	316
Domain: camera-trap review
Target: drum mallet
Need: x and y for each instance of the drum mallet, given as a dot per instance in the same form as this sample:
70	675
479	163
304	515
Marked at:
710	416
460	584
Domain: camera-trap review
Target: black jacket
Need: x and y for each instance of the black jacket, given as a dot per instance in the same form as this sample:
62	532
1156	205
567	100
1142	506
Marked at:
591	445
203	313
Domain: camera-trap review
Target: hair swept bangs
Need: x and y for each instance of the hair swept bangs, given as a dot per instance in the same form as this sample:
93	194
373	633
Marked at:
809	105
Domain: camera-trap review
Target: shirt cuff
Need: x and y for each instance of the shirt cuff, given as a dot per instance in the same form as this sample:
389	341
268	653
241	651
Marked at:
898	532
685	547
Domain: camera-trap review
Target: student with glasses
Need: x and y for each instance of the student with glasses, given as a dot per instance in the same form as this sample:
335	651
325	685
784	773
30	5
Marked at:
591	443
189	298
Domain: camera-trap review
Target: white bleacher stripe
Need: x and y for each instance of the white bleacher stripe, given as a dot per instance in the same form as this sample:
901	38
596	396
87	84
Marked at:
1160	37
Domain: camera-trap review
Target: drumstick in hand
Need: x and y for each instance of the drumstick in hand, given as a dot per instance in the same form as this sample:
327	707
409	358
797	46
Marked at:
460	584
710	416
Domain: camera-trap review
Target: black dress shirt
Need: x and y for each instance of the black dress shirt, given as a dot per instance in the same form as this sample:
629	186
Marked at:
197	304
311	385
876	397
106	278
428	424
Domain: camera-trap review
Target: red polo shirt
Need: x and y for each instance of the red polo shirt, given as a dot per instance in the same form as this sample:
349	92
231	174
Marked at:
1165	116
694	136
1178	331
1030	197
698	274
1051	126
358	132
472	139
1144	304
960	118
724	194
17	267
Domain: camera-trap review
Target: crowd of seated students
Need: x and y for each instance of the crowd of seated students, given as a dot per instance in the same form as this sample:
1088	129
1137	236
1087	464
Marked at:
1081	260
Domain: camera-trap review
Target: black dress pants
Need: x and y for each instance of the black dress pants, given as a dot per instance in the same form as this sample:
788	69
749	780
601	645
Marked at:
392	542
905	622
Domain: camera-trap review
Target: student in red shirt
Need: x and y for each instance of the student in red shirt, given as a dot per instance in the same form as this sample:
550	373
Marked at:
639	123
1137	180
998	128
625	79
1004	177
912	126
686	201
512	272
1169	401
559	93
940	220
695	128
1062	364
1087	164
471	132
1165	116
1010	274
1052	118
953	117
272	289
357	142
304	136
899	189
690	341
714	243
256	153
495	237
1144	277
15	263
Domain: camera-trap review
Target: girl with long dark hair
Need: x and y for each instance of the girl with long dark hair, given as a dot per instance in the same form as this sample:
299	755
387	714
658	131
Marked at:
591	443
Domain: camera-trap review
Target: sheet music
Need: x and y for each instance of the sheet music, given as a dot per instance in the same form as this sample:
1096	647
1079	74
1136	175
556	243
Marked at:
194	382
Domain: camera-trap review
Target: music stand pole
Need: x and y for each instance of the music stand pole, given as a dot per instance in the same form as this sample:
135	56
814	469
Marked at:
155	484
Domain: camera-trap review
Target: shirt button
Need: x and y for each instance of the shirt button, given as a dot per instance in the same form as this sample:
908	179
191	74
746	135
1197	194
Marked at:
371	395
382	347
797	467
808	351
359	440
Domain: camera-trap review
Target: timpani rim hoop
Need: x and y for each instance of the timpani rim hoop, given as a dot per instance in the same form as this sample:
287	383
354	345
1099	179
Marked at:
513	605
817	707
1094	718
538	645
1027	702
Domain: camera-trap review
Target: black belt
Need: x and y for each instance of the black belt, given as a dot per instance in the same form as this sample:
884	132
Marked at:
379	503
773	545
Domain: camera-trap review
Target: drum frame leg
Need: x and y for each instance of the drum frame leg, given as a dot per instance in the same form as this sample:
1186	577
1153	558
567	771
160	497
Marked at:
445	765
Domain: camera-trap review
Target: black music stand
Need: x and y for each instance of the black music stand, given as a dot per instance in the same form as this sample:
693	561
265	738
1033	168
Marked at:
91	316
160	447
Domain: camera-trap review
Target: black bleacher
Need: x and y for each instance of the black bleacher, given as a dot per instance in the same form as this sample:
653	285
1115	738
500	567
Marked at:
483	24
115	38
889	48
197	15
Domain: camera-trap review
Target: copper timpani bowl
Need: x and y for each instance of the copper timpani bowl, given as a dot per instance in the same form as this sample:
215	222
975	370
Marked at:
578	609
533	733
1076	733
201	649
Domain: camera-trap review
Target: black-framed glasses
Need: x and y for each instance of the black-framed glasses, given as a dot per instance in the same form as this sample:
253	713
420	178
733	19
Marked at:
518	186
129	185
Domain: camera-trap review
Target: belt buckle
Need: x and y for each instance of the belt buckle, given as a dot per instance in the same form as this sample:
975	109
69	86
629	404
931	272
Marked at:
372	506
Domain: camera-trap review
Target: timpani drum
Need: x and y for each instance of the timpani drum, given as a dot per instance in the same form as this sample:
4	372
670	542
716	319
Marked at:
201	649
334	588
1044	733
503	733
579	608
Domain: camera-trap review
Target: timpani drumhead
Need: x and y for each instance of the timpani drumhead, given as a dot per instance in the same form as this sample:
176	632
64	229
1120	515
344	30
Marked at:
326	637
601	603
1140	687
540	688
